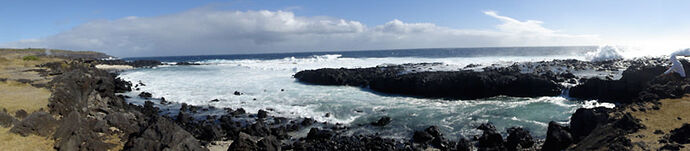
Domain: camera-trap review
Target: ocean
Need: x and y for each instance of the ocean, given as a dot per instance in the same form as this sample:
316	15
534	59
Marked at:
267	83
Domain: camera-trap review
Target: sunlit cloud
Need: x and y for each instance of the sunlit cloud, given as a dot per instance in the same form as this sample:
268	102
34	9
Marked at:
205	31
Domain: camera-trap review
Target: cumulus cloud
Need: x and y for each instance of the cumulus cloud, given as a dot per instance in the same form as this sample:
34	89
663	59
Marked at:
199	31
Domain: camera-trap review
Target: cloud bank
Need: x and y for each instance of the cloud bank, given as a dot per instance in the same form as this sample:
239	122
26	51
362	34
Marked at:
197	32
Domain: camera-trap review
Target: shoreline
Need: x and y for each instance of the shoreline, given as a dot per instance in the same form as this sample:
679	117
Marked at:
84	107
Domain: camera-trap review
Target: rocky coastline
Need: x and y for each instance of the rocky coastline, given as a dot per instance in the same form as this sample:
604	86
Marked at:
86	112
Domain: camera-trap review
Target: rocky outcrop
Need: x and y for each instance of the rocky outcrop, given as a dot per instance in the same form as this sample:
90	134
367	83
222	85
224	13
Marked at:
6	120
681	135
38	123
162	134
557	137
490	138
441	84
583	121
518	139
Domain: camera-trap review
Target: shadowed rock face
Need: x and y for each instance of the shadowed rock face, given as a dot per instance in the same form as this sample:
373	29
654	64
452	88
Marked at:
39	123
584	121
441	84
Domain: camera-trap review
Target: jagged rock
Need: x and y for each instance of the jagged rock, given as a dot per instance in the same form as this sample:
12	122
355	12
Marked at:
441	84
490	138
681	135
243	142
21	114
262	114
258	129
74	134
518	136
163	134
463	145
629	124
557	137
269	143
6	120
315	133
145	95
39	123
126	122
583	121
382	122
422	137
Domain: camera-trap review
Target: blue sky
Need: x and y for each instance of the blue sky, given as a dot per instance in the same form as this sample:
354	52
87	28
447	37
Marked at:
42	23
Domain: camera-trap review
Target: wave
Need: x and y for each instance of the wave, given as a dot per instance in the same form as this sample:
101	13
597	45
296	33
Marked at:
605	53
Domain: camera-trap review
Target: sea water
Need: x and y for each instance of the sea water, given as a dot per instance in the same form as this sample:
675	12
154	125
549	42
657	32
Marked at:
266	83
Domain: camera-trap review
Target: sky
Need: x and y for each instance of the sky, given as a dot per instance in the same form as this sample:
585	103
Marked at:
202	27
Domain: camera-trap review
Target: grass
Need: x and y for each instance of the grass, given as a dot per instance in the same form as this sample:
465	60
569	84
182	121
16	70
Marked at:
15	96
665	119
29	58
15	142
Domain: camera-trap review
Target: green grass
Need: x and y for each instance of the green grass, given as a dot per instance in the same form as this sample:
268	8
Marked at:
30	58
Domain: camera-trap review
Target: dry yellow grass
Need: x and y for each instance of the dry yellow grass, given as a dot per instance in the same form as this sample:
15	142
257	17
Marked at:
664	119
15	96
115	139
14	142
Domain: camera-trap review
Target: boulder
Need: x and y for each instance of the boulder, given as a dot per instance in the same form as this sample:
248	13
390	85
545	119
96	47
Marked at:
382	122
21	113
39	123
145	95
583	121
315	133
262	114
490	138
681	135
557	137
269	143
518	136
163	134
6	120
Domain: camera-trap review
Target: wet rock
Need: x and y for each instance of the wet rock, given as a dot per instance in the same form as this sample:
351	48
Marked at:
518	136
262	114
39	123
442	84
422	137
307	122
237	93
122	86
463	145
681	135
269	143
145	95
163	134
383	121
583	121
557	137
215	100
21	114
490	138
625	90
6	120
186	63
258	129
315	133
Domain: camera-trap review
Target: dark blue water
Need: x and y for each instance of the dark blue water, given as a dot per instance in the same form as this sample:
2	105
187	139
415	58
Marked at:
420	53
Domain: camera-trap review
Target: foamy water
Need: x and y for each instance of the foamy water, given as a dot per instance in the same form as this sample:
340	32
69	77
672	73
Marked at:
269	84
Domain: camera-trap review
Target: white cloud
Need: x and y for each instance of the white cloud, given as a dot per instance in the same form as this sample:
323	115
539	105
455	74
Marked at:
201	31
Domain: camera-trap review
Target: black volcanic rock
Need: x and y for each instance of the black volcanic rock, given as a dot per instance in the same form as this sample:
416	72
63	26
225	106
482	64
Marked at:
262	114
21	114
441	84
583	121
557	137
39	123
162	134
145	95
6	120
315	133
490	138
518	136
681	135
382	122
243	142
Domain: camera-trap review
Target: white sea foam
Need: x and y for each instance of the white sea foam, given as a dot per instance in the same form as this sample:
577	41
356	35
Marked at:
263	80
605	53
